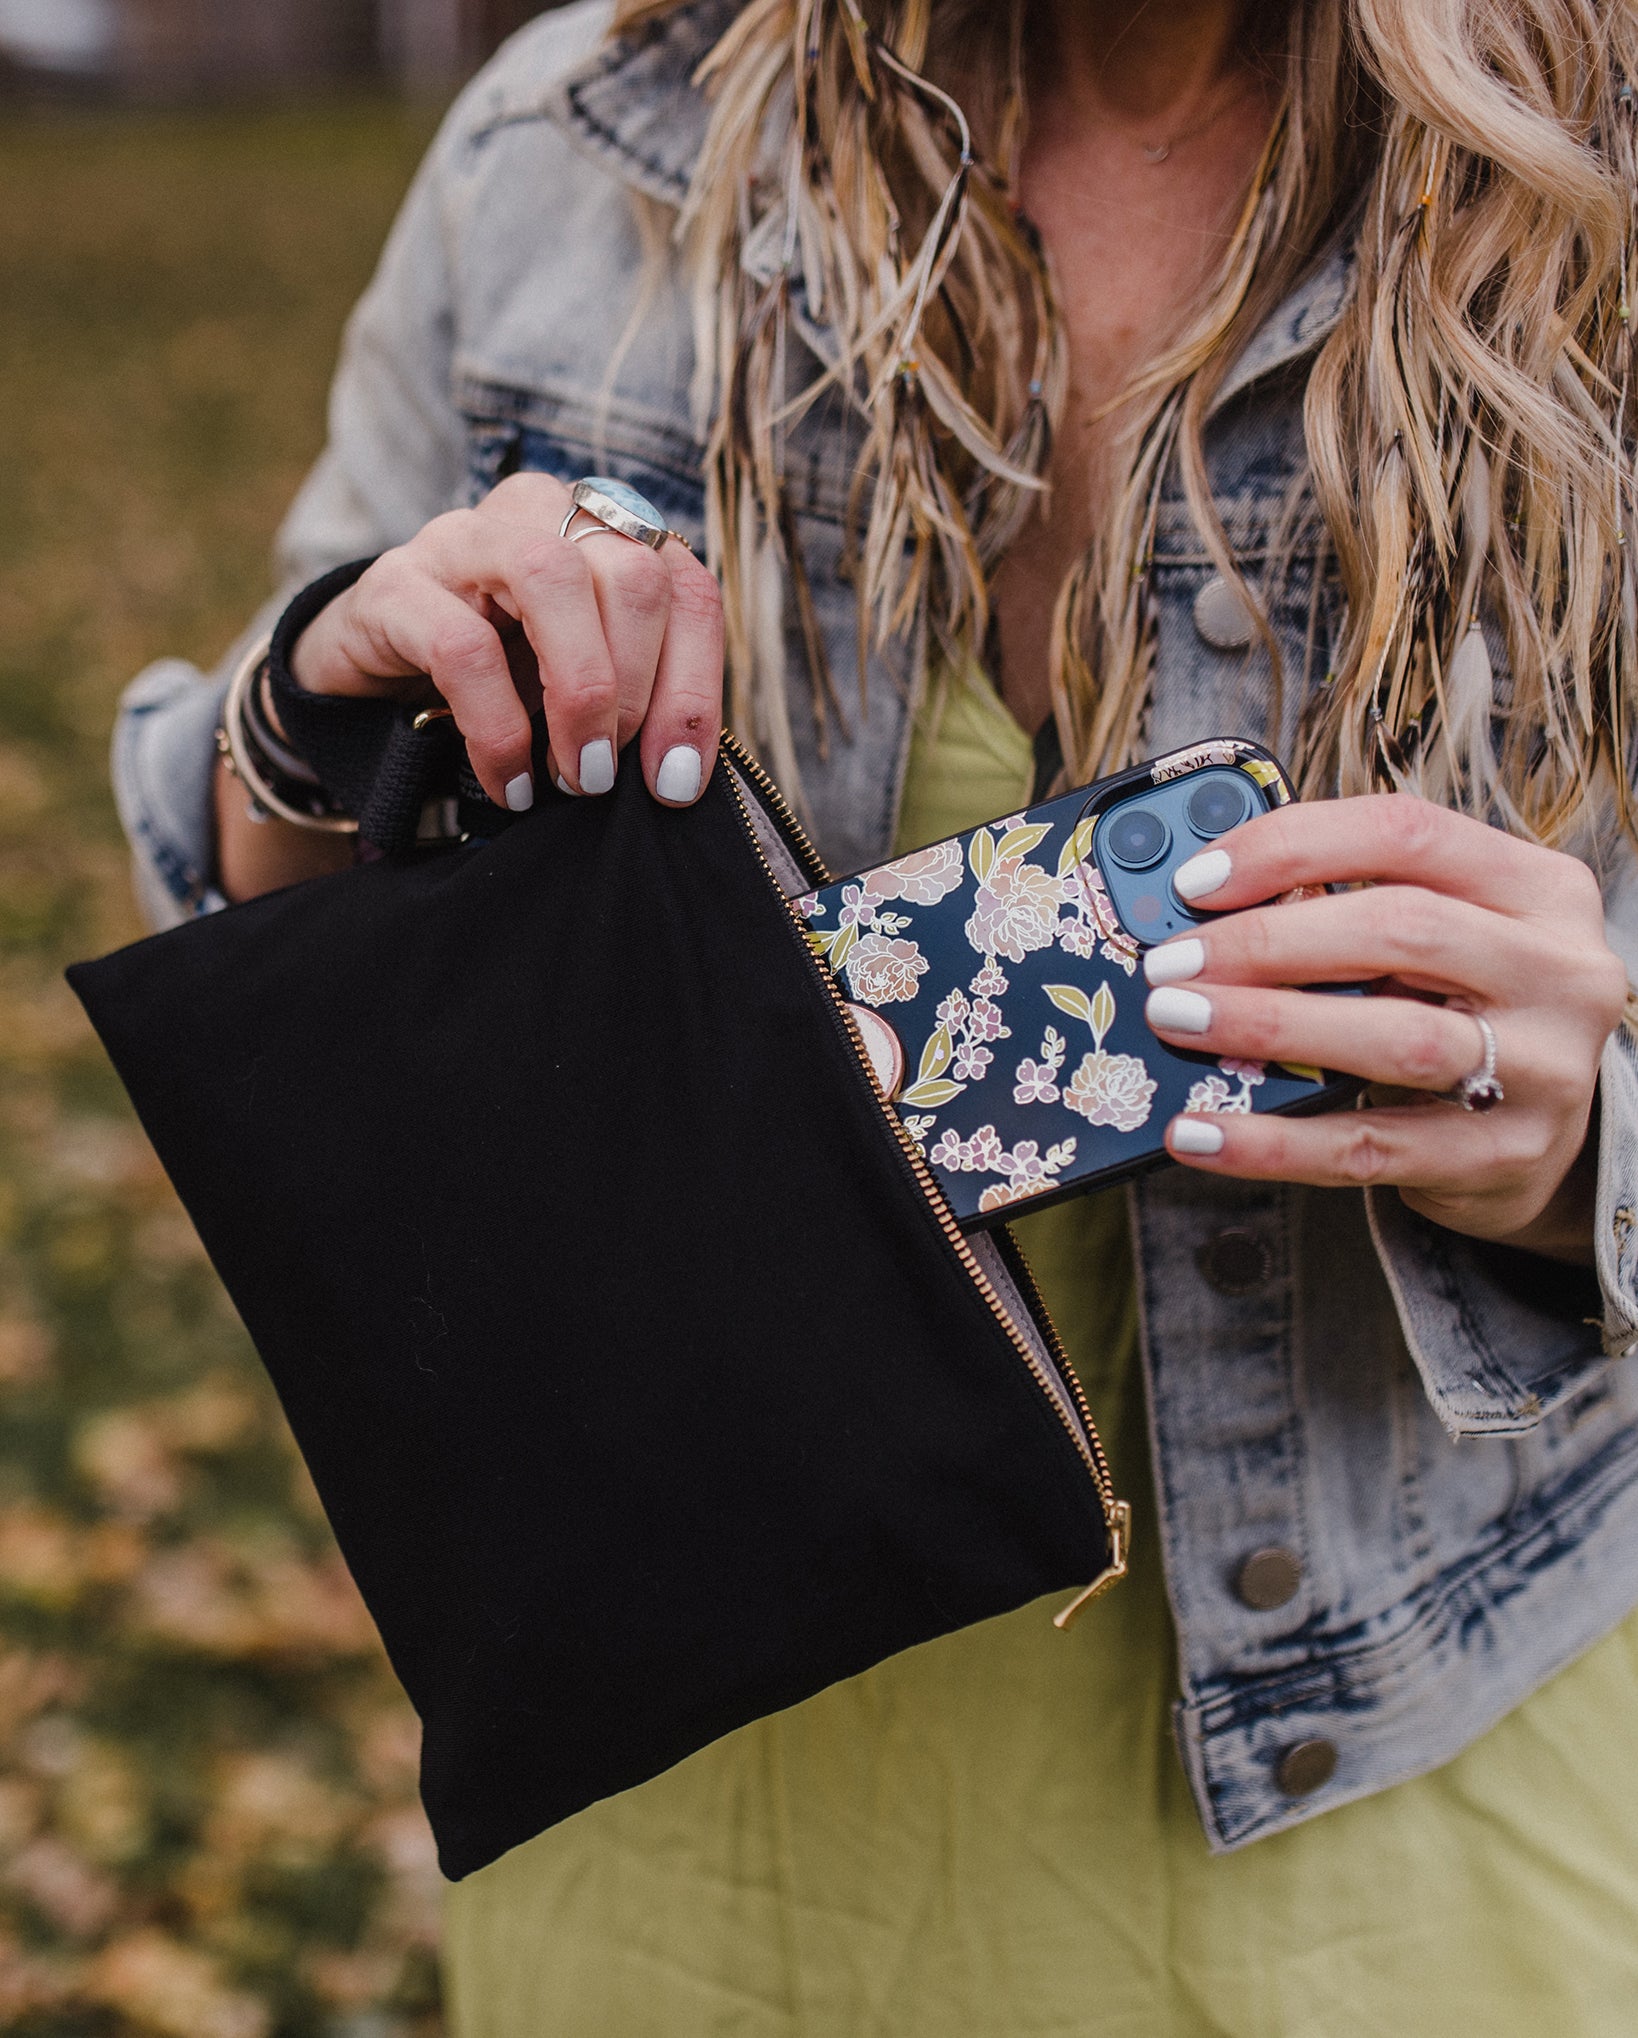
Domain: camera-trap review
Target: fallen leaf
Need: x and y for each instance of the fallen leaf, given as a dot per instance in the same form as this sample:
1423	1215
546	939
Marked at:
77	1898
173	1990
188	1596
29	1683
271	1806
213	1416
103	1804
414	1906
21	1802
39	1555
33	1981
104	1152
127	1458
25	1353
353	1981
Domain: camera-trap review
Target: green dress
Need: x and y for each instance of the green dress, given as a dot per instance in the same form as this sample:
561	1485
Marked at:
992	1834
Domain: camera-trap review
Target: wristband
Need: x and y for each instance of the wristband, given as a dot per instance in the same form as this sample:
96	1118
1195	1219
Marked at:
380	761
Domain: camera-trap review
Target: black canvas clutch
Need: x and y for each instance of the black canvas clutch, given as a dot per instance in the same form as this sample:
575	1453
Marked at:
646	1379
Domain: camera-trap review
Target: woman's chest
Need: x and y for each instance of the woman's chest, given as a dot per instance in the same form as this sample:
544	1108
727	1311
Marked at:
1137	249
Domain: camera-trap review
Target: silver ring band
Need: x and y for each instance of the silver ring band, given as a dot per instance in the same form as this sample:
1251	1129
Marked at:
1480	1089
593	529
596	528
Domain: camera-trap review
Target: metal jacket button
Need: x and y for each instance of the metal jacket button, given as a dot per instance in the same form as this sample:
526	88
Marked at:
1305	1768
1267	1579
1221	616
1235	1261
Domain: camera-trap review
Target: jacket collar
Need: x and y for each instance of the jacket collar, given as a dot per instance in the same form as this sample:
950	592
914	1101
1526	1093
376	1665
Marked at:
1299	323
633	106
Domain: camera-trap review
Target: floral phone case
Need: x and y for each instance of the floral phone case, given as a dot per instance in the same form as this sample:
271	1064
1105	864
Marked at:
994	981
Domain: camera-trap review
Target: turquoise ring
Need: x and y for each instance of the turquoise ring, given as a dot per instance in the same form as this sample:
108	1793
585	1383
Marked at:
618	507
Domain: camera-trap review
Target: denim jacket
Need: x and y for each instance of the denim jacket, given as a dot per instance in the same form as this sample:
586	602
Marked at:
1441	1452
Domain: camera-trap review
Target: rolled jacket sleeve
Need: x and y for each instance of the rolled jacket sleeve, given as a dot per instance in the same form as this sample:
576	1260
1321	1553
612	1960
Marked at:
393	460
1495	1339
163	766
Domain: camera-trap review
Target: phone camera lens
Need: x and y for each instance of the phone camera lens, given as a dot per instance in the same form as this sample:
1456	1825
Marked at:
1137	838
1218	805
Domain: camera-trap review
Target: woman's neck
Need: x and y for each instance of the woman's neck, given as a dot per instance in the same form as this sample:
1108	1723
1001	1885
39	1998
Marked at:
1141	63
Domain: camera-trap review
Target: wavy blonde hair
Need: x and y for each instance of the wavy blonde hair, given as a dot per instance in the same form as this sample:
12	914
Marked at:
1467	421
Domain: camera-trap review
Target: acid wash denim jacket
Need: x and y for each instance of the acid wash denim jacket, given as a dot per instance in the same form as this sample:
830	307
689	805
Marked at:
1429	1448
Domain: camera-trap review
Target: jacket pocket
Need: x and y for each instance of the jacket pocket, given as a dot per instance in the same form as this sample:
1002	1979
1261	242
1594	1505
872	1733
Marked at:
515	430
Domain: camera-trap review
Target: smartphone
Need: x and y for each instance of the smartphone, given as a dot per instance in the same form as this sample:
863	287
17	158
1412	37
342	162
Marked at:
996	981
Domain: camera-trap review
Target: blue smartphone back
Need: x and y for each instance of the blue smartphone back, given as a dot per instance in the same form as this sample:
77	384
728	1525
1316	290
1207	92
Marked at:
996	981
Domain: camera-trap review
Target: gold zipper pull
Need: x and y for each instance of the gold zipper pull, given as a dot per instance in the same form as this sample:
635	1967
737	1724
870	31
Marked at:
1120	1543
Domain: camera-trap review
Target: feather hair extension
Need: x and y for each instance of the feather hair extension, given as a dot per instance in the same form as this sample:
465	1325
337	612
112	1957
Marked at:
1623	647
891	219
1467	686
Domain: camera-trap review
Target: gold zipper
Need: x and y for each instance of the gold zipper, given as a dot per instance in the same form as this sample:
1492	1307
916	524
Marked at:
1120	1544
787	820
1117	1514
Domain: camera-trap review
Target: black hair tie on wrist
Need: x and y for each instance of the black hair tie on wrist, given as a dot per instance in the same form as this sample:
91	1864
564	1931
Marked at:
378	759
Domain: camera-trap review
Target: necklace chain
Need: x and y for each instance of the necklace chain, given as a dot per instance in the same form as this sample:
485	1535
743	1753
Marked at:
1157	152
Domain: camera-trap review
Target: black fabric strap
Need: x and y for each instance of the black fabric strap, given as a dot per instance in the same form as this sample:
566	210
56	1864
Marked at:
368	753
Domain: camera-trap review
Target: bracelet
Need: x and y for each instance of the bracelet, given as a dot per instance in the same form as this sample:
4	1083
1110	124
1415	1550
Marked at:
267	739
396	779
277	781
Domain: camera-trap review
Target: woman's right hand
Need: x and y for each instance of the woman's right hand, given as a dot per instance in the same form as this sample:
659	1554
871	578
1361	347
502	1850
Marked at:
494	612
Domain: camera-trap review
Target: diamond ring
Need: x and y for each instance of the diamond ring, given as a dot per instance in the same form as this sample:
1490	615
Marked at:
1480	1089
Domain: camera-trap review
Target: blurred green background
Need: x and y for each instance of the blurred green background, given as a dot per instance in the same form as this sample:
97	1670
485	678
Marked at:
208	1824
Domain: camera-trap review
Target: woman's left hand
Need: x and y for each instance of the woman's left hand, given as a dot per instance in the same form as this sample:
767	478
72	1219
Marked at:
1452	914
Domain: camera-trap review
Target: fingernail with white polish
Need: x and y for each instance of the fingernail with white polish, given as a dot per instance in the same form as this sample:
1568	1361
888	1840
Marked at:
1196	1135
520	793
597	766
1173	1011
1174	962
564	786
678	777
1202	875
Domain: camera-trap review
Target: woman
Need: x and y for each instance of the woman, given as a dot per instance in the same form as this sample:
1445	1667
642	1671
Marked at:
1314	319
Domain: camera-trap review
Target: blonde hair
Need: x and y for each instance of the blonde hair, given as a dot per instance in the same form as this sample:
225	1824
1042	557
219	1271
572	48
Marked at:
1467	420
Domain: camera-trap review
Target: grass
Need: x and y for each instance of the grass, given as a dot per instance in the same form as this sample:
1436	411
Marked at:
207	1817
